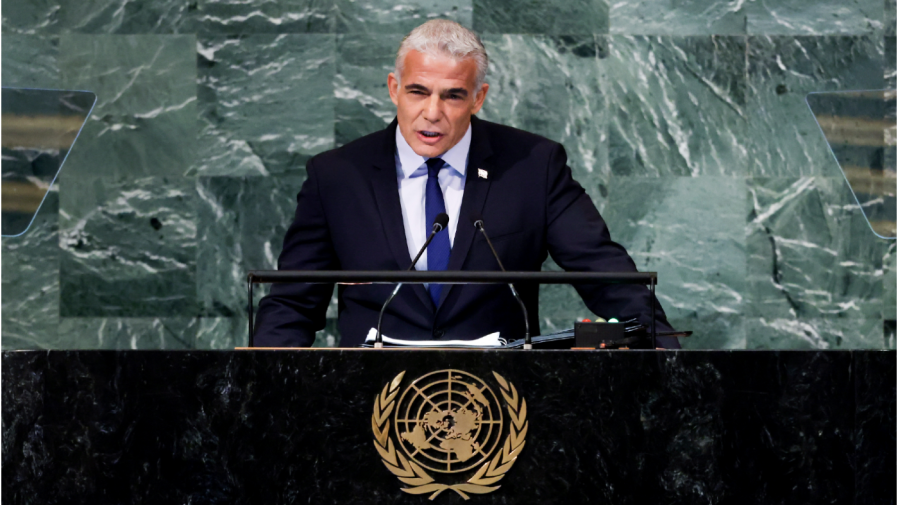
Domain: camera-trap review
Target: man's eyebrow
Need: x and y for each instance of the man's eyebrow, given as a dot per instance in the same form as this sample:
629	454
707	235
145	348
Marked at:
456	91
416	87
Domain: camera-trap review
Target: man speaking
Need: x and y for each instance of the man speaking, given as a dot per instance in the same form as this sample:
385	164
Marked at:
370	205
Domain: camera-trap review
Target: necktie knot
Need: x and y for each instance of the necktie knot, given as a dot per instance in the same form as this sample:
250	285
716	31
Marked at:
433	166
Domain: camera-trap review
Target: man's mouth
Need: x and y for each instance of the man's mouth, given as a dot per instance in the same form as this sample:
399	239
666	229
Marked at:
429	136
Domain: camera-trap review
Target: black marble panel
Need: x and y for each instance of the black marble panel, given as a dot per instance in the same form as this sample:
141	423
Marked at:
295	427
875	426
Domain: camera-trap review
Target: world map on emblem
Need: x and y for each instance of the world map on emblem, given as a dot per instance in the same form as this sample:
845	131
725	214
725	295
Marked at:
448	421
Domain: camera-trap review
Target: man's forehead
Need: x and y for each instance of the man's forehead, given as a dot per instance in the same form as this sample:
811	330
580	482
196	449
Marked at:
428	69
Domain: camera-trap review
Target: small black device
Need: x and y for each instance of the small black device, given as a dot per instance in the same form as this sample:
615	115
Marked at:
594	335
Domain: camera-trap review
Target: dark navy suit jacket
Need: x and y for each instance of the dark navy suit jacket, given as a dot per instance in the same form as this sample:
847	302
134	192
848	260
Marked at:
348	217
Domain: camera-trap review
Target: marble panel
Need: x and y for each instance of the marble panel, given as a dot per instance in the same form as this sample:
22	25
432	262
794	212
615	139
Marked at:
30	281
785	138
330	335
797	333
891	59
96	16
385	16
221	333
35	17
676	105
811	253
560	306
551	86
363	102
30	61
220	274
126	333
889	272
889	329
691	231
241	224
224	333
890	17
266	103
816	17
535	17
128	248
673	17
712	331
264	16
144	121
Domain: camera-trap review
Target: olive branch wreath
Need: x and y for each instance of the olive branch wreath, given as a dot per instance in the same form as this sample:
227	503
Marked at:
420	482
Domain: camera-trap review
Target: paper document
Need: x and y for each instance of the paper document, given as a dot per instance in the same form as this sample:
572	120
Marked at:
491	340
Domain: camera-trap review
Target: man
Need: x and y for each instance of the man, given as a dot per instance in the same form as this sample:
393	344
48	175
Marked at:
369	205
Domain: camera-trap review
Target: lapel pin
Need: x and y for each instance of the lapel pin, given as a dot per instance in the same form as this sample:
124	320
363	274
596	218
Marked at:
482	173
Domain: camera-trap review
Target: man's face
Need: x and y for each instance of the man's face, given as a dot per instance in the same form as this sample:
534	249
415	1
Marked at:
435	102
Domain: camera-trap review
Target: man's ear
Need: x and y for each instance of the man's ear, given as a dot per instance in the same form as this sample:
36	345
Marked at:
480	97
393	86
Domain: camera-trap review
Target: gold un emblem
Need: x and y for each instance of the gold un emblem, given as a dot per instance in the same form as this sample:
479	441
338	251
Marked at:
449	422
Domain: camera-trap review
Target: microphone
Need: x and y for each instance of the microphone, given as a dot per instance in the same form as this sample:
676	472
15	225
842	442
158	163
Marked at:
439	224
478	223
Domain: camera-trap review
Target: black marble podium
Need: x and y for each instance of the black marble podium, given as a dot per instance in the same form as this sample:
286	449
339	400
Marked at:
609	427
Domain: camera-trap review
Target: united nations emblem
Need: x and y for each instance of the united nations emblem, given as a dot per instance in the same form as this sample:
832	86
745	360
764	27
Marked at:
449	422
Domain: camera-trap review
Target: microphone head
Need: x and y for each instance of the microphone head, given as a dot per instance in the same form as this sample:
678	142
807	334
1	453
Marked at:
477	219
442	220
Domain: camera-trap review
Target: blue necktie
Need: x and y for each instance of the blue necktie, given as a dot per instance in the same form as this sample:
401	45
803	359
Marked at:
438	251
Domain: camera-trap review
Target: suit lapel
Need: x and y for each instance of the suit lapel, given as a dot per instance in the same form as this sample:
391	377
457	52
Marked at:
476	190
386	193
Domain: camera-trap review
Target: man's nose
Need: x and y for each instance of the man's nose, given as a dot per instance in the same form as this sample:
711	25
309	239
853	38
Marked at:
433	108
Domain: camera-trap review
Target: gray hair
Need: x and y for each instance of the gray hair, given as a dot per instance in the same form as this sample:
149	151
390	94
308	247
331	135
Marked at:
441	37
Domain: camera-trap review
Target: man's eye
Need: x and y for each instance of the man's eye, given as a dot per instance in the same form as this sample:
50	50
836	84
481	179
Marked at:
417	92
454	97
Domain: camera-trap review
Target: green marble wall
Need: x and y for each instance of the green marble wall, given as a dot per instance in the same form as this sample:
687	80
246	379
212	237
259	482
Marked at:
684	121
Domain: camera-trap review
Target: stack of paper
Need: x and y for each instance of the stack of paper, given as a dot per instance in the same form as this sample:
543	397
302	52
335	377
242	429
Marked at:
491	340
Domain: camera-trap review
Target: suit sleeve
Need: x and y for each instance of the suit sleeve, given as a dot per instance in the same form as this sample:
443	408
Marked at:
291	314
579	241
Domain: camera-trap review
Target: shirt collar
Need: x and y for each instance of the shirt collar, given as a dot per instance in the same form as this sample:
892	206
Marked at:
456	157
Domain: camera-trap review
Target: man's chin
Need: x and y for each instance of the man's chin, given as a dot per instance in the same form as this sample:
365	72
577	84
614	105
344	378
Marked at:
430	151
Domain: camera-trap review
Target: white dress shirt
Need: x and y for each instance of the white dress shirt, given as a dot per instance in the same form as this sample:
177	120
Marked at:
412	174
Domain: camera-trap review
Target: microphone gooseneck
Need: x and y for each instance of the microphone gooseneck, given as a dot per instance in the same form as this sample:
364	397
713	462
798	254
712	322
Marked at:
478	223
439	224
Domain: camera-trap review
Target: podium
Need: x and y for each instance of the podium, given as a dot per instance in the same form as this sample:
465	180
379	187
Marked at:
318	426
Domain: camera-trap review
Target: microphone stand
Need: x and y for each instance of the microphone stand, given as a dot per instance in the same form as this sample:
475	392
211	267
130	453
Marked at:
378	338
527	342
